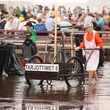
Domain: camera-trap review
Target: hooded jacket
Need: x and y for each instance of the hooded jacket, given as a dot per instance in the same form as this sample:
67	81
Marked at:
33	31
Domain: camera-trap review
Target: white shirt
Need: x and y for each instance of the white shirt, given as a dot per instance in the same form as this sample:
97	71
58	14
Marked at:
22	25
50	24
8	26
16	22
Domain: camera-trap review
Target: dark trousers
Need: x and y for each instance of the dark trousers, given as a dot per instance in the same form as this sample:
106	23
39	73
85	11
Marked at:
78	40
101	57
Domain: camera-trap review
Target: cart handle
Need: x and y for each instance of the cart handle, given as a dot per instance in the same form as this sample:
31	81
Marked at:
60	50
91	48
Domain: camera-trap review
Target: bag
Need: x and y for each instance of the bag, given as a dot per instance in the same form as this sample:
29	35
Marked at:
12	66
29	49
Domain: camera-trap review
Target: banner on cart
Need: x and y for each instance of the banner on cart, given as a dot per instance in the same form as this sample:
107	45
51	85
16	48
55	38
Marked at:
42	67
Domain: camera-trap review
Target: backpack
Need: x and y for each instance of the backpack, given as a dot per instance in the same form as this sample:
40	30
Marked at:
29	49
2	24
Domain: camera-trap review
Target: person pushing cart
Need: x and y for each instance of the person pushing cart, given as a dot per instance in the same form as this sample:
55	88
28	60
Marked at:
91	40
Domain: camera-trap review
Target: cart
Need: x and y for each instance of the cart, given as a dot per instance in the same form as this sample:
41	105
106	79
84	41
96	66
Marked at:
71	71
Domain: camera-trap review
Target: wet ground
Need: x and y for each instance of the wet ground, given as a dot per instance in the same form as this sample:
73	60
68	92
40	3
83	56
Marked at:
16	95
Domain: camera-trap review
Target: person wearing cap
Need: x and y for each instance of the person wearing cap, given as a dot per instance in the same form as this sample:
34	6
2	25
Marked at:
30	29
91	40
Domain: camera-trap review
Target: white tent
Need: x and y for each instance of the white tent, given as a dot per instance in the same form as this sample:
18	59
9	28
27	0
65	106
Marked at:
94	5
15	3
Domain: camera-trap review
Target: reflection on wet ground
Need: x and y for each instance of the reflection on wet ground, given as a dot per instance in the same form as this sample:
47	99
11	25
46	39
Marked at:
16	95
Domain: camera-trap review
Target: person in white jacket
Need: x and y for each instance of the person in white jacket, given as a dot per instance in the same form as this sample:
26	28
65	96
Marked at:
9	24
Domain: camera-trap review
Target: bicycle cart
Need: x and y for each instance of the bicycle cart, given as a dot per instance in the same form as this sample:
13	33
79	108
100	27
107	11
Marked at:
71	72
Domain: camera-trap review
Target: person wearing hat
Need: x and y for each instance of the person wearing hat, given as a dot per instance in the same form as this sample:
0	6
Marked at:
91	40
30	29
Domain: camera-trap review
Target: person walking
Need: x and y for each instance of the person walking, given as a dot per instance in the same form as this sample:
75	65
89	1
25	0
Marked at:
30	29
91	40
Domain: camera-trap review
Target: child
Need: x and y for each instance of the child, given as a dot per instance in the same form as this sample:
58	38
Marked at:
91	40
30	29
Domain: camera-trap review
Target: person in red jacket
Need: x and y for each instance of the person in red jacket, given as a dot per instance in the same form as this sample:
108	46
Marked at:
103	10
91	40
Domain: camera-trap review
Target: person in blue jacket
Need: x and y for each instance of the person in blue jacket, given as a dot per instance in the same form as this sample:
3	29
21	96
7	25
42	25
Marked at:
40	27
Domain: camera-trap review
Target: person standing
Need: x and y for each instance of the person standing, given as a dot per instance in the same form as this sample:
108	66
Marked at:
30	29
91	40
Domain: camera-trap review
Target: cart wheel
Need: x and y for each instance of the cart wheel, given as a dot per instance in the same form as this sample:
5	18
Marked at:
75	71
49	82
34	59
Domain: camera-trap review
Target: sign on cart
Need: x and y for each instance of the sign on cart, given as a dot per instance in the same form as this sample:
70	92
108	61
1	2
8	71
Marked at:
42	67
31	106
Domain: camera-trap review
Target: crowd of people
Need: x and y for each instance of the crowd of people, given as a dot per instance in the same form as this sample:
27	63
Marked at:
44	20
